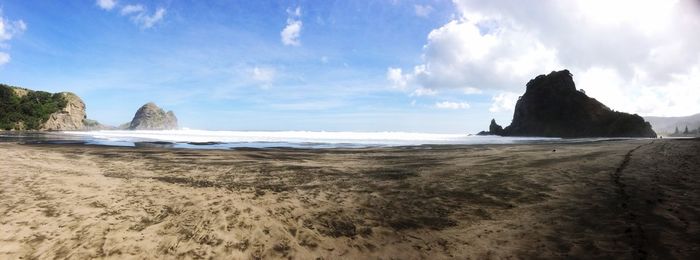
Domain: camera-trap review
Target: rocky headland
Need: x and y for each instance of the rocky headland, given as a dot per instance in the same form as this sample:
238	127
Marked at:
552	107
71	117
25	109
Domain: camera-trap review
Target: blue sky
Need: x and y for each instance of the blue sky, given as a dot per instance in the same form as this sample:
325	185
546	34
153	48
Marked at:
393	65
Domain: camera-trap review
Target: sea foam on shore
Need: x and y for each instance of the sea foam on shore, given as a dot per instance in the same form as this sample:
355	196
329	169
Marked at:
298	138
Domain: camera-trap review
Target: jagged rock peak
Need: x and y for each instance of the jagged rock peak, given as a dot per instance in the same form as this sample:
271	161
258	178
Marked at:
152	117
494	128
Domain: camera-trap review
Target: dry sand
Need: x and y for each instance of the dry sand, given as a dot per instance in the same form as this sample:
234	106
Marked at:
612	199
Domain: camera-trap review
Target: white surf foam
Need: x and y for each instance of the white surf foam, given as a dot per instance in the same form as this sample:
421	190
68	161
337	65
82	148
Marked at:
374	138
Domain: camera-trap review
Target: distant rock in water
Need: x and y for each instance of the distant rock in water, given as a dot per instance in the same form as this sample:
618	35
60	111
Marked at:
494	129
152	117
124	126
94	125
552	107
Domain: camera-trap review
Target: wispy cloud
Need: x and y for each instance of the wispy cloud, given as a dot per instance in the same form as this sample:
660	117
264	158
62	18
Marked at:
131	9
138	13
452	105
423	10
290	34
8	29
423	92
147	21
505	101
4	58
263	75
106	4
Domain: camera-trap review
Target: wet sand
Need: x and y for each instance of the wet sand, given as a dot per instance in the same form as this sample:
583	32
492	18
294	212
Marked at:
610	199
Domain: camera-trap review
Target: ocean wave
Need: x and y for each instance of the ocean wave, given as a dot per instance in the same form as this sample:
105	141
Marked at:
297	137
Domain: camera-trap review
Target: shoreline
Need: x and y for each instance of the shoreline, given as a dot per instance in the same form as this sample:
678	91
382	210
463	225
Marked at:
214	140
620	199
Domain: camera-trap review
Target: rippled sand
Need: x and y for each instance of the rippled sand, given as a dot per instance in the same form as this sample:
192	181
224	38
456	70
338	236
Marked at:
622	199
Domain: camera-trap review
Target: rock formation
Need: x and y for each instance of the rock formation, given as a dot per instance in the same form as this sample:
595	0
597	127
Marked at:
152	117
71	117
552	107
495	128
94	125
25	109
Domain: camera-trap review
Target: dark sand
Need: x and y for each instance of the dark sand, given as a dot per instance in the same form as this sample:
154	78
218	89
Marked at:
611	199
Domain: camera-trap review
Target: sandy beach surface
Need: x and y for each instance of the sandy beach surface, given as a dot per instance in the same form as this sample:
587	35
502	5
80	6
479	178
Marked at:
610	199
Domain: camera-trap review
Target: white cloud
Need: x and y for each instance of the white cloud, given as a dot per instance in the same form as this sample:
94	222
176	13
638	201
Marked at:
423	10
624	51
424	92
264	75
504	101
147	21
4	58
290	34
296	12
452	105
470	90
397	79
461	55
678	96
131	9
136	12
106	4
8	30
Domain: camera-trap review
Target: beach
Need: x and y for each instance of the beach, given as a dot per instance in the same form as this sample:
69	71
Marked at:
601	199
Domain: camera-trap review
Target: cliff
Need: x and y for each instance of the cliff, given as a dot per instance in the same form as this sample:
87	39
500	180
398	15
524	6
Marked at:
152	117
25	109
552	107
71	117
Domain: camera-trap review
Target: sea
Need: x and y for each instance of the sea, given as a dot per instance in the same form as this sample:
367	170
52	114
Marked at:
204	139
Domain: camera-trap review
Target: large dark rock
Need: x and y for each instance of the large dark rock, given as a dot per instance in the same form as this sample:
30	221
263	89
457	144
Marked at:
495	128
552	107
152	117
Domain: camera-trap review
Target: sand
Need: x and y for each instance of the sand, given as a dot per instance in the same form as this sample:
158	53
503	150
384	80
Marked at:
610	199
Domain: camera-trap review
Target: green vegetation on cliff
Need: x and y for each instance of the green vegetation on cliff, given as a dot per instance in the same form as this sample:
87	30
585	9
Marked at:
23	109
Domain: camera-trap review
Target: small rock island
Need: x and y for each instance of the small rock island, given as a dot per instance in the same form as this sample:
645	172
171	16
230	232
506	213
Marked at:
152	117
552	107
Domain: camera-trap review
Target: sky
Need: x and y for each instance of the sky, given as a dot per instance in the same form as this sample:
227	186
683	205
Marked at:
388	65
